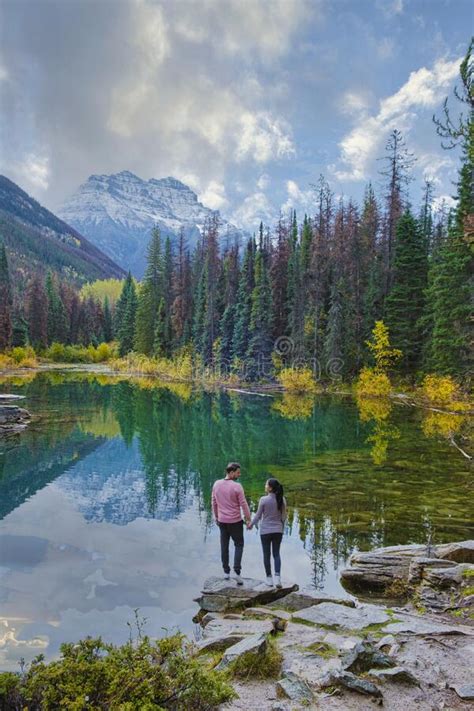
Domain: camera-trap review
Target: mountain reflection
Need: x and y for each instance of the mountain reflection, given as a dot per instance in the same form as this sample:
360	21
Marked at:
356	475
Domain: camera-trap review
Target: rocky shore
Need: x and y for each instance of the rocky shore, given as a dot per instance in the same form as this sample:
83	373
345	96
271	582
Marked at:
343	654
12	418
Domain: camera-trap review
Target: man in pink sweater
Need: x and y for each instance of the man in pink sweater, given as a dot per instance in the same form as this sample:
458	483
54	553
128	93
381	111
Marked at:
228	503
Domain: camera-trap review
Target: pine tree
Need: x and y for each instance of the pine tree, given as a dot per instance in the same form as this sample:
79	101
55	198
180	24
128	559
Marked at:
108	326
449	294
126	316
334	342
37	313
244	302
6	301
398	163
405	302
260	328
150	296
57	320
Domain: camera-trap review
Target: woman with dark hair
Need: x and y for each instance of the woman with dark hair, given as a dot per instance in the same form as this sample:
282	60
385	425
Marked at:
272	513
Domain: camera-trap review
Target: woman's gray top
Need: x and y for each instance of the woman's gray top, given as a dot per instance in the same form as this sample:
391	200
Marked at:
272	519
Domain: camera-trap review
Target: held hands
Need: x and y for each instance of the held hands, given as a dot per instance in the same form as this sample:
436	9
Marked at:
249	525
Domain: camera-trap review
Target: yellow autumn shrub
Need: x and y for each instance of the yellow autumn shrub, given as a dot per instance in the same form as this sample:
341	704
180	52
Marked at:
372	383
297	380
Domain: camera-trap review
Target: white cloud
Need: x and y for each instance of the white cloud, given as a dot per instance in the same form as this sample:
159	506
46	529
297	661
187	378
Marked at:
424	89
263	182
263	137
354	103
32	172
390	8
300	200
255	208
386	48
443	203
214	196
432	165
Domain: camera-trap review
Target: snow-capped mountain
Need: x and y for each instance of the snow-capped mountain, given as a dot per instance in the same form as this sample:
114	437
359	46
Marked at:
117	212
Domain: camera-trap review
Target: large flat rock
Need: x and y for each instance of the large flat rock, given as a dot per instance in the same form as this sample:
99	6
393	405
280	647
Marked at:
460	552
331	615
417	625
295	601
219	595
223	627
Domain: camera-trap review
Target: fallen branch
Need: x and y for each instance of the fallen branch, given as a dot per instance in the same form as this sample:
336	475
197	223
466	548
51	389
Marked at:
455	444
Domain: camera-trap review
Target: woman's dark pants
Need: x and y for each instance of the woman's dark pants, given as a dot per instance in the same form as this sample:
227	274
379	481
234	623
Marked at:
271	541
236	532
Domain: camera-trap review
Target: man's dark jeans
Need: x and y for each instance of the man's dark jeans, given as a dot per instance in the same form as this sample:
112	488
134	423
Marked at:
273	541
236	532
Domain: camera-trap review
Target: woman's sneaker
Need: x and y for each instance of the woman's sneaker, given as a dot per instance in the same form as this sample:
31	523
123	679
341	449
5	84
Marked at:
238	579
226	576
269	581
278	581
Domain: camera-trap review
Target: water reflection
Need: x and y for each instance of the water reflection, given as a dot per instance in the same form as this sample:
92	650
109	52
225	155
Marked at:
105	499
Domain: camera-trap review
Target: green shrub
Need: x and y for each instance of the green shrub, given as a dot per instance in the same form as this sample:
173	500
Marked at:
59	353
22	353
144	675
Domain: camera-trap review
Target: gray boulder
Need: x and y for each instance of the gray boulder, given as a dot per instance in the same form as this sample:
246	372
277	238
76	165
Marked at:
352	682
461	552
219	595
293	687
465	691
331	615
217	644
447	577
13	418
363	657
254	644
295	601
394	674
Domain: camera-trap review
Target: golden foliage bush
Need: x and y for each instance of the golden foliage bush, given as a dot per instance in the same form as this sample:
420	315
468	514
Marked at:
439	388
372	383
384	355
179	368
298	380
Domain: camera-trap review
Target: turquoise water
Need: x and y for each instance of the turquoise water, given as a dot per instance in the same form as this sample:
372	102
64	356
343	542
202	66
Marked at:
105	498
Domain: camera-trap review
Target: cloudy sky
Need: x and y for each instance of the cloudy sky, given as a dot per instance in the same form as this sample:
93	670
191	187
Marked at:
247	101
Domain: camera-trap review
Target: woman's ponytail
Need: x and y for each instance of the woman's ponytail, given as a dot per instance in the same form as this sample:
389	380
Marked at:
277	489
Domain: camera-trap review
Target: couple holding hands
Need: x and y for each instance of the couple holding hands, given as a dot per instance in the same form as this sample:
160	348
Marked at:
228	504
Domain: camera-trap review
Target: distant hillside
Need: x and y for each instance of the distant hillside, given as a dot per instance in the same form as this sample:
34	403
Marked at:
37	240
117	213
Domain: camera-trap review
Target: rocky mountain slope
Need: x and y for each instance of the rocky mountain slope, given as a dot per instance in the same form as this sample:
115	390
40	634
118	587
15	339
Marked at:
37	240
117	212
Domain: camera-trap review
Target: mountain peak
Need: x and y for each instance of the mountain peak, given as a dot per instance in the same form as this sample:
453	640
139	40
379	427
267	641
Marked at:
117	212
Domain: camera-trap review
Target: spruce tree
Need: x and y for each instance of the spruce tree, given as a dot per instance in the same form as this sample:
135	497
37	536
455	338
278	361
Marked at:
57	320
5	301
405	302
126	316
108	326
449	294
37	313
260	327
244	302
151	293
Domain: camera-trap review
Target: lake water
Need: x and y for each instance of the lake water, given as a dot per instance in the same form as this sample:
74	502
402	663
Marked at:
105	498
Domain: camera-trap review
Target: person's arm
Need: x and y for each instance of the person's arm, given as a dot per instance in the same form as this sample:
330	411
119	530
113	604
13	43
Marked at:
259	513
214	504
243	502
284	510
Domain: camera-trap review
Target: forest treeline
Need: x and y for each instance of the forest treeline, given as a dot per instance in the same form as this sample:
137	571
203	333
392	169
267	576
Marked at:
308	292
